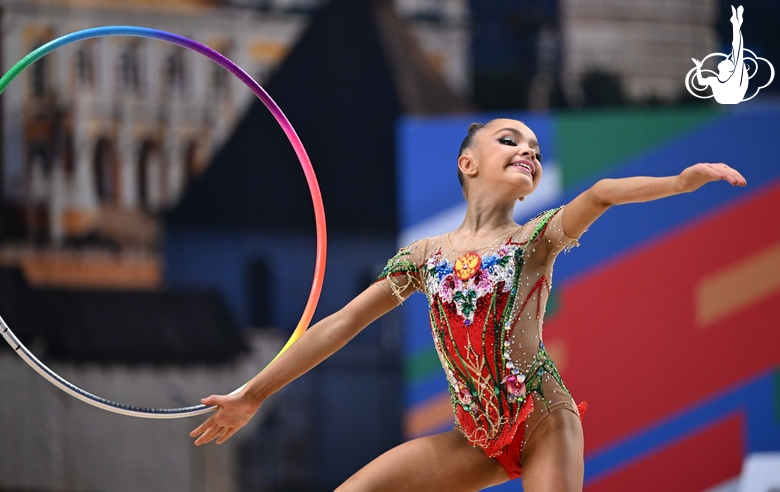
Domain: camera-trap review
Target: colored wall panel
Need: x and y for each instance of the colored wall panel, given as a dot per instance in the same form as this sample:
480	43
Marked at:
591	142
692	464
743	140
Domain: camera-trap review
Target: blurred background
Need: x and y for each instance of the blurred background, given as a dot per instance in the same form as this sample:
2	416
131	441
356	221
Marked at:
157	237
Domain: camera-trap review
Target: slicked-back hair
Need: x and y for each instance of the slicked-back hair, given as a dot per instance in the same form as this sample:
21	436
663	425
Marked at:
467	143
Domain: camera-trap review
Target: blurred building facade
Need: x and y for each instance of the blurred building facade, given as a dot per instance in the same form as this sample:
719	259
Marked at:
99	139
101	136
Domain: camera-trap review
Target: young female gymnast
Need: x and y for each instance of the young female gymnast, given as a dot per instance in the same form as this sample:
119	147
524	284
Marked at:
487	283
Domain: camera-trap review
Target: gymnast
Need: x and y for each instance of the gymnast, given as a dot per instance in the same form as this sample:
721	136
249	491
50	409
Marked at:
487	283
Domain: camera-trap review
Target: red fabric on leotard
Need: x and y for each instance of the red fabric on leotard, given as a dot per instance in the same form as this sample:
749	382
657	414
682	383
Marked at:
511	455
486	310
512	452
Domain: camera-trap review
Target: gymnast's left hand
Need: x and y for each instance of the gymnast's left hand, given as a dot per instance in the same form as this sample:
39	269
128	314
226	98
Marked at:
692	178
233	412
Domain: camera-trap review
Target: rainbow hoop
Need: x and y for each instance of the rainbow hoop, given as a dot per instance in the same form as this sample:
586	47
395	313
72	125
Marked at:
319	211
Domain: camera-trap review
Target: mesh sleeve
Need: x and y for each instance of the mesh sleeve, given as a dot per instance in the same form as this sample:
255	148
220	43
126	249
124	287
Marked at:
549	229
402	274
557	237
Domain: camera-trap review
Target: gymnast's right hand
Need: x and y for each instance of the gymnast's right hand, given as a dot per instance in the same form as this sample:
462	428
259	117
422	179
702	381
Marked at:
233	412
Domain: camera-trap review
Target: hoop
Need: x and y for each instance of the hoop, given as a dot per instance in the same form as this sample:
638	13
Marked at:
284	123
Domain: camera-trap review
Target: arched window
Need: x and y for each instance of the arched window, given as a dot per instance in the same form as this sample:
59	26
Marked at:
175	72
85	67
38	76
105	171
220	83
69	154
191	164
39	171
152	177
220	78
129	68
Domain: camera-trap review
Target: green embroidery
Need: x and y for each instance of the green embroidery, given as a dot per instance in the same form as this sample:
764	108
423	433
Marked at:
546	218
398	265
467	301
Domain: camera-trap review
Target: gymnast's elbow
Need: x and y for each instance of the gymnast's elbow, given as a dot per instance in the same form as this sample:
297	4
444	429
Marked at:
340	327
599	195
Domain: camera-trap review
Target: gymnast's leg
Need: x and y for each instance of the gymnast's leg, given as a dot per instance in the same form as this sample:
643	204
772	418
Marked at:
443	461
552	458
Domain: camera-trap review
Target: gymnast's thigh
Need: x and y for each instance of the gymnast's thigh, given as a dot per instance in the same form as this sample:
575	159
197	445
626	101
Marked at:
552	459
443	461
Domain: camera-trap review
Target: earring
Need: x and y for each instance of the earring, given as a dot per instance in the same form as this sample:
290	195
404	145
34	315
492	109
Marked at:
521	199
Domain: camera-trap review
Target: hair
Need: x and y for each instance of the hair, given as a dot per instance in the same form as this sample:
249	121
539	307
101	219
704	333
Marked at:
467	143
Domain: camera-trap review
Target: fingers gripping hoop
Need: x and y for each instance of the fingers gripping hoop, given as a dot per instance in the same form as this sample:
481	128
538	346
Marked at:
319	211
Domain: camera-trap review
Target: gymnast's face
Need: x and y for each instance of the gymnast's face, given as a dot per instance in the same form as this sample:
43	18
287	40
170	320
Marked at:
507	157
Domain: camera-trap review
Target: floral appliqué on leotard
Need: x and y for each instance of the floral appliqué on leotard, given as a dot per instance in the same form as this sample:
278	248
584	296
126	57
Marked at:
475	299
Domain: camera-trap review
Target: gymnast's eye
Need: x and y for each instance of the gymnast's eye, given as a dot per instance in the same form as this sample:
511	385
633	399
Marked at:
507	141
539	156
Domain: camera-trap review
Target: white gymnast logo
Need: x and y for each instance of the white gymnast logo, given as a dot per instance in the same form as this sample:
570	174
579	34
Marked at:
731	82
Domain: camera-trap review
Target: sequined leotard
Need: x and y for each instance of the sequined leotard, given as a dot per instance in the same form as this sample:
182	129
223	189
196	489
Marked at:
486	310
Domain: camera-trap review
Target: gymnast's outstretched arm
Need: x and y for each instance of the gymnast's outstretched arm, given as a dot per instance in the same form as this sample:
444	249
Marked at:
314	346
583	210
